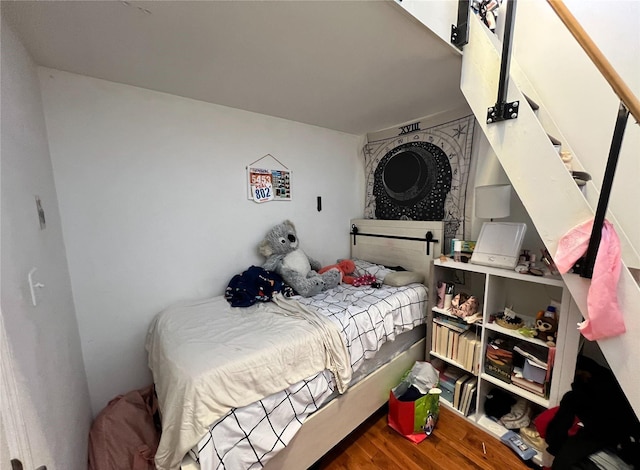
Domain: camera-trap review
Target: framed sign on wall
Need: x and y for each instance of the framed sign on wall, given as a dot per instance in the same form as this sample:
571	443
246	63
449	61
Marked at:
268	184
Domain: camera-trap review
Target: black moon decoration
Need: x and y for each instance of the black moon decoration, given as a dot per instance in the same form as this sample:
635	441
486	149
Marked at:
412	182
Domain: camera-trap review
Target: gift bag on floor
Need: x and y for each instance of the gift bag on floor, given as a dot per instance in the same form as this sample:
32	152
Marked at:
414	404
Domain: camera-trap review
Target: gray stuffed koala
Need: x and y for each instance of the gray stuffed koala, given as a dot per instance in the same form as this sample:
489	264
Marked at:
285	257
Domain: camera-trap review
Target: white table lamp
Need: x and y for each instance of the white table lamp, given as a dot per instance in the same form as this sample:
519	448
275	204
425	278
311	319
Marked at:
493	201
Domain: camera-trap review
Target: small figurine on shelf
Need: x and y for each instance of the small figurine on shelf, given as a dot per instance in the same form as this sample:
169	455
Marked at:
442	290
547	325
448	296
527	264
509	319
457	250
523	262
548	262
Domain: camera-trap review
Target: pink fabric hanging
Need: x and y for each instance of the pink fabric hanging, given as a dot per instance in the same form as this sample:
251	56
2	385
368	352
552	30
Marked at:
605	318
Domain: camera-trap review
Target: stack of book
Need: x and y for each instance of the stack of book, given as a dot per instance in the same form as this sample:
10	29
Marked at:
533	370
448	378
464	393
457	342
517	378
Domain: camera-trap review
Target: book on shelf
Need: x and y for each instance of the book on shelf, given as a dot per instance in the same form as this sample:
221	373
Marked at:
476	357
437	338
458	390
450	375
534	387
447	386
437	347
471	403
444	338
461	348
538	354
468	392
447	395
452	324
454	347
469	342
451	342
472	354
434	337
550	361
499	359
533	371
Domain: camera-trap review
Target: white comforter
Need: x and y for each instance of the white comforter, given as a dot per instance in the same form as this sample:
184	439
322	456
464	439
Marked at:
206	359
248	437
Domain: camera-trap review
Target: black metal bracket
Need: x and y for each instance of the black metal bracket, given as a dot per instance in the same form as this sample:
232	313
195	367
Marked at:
460	31
428	237
503	111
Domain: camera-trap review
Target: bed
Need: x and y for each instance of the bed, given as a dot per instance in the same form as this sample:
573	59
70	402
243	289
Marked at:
298	399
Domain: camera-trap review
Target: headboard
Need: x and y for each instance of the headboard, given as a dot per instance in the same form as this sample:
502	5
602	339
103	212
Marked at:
398	243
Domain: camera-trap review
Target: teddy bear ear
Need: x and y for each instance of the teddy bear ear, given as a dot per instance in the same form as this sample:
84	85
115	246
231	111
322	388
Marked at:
289	223
265	248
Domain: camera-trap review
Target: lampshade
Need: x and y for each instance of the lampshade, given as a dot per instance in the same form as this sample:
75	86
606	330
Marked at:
493	201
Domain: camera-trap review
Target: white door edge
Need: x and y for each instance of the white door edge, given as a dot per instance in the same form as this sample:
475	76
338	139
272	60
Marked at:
13	423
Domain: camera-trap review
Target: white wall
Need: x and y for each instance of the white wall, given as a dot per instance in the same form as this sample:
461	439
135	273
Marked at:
153	200
44	340
486	170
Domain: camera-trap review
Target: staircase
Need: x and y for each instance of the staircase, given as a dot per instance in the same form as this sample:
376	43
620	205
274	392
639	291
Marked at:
547	190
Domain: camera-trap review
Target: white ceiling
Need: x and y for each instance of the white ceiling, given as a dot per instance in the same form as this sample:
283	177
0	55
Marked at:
352	66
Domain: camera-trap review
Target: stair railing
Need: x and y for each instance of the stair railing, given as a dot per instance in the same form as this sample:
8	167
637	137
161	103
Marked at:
629	104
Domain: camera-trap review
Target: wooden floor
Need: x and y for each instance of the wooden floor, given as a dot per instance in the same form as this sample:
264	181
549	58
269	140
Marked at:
455	444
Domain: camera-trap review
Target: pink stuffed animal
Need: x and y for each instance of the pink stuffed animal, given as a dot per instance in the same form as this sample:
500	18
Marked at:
345	266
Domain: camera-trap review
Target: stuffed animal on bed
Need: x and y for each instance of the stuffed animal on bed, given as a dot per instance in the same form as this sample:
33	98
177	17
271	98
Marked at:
345	266
284	256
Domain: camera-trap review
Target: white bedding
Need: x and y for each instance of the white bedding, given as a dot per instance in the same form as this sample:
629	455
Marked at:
208	358
247	437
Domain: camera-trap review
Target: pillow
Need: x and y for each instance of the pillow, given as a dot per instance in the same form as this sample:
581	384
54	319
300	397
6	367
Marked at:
366	267
402	278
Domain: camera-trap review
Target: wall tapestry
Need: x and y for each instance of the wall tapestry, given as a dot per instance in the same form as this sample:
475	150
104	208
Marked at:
421	174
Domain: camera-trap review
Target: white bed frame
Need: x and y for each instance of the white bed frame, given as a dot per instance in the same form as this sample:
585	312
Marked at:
333	422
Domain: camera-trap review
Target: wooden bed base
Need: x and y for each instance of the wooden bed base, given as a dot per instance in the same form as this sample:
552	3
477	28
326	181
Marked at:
330	424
